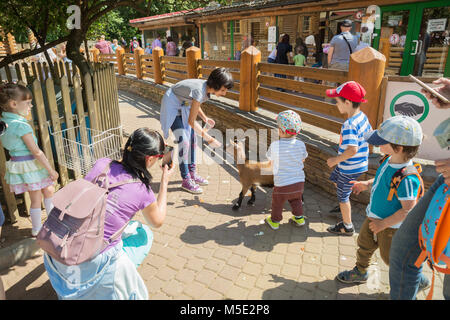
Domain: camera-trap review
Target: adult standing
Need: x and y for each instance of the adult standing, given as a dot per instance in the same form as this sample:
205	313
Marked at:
180	107
171	47
134	44
186	45
103	45
114	46
283	49
112	274
157	42
404	276
123	43
341	47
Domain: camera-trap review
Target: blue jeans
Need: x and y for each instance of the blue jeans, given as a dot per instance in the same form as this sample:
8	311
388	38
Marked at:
186	147
404	277
2	216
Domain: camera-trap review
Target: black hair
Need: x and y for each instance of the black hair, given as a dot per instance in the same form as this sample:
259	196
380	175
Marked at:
142	142
220	77
3	127
409	151
355	104
169	38
13	91
285	38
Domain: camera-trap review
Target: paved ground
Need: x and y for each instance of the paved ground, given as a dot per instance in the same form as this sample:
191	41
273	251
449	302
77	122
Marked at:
205	250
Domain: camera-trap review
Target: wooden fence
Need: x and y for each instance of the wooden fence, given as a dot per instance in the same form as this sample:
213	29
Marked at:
67	103
274	87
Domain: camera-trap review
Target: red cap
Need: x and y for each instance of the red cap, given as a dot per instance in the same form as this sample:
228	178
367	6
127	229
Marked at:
350	90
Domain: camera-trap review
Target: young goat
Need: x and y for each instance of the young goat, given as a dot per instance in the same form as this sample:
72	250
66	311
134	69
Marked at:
250	174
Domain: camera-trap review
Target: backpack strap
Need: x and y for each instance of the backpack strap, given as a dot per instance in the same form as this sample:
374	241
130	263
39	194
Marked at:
349	47
401	174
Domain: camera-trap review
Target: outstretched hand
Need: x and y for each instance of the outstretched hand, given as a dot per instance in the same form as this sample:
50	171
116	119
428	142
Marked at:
444	90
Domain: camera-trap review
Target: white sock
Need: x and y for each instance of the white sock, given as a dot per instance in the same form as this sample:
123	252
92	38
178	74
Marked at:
48	203
35	214
348	226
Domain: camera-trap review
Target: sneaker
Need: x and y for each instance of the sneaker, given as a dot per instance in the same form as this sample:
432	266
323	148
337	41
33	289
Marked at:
190	186
272	224
336	209
198	180
298	221
340	229
352	276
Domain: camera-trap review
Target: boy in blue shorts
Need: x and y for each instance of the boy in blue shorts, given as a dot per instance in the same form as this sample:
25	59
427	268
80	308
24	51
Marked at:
399	139
352	159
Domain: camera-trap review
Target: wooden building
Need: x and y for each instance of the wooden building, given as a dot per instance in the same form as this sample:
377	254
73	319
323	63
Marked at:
413	34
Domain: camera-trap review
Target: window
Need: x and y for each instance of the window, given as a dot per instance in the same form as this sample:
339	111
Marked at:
236	29
306	23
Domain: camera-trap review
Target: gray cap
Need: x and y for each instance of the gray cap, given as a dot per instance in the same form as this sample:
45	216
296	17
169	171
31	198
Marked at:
347	23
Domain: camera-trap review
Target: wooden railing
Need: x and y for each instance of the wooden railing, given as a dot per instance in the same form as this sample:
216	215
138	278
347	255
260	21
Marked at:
67	101
256	84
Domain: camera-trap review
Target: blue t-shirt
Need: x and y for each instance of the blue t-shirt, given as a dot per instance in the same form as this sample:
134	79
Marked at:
379	206
12	139
352	134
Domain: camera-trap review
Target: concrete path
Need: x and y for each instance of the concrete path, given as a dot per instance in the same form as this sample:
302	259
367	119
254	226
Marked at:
205	250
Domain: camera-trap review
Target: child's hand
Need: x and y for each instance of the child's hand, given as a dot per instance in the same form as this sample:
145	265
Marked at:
54	175
376	225
359	186
331	162
214	143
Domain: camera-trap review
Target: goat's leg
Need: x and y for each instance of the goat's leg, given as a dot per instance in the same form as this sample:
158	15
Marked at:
251	202
238	203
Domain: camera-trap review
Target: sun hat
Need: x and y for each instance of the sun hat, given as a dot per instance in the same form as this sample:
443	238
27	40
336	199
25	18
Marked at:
350	90
289	122
400	130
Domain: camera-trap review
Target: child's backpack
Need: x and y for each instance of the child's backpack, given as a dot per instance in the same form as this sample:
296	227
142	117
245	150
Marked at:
434	234
73	231
402	173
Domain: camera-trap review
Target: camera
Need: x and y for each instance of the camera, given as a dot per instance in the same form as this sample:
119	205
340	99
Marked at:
167	159
3	127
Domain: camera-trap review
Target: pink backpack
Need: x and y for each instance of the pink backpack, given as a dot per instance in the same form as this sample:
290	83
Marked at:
73	231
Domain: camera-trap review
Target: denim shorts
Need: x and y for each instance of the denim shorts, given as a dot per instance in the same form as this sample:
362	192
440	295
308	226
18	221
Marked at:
343	185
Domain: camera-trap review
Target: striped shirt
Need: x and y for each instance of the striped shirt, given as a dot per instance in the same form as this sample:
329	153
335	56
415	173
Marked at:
379	207
287	156
352	134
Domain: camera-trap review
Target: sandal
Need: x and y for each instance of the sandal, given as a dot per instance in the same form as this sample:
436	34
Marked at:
340	229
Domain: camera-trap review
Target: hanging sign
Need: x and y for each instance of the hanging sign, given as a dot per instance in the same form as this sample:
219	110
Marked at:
435	25
272	34
394	39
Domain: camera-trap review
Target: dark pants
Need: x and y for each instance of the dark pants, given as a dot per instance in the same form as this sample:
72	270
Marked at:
186	147
292	193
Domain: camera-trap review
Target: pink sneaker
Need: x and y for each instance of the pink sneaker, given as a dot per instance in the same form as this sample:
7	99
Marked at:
198	180
190	186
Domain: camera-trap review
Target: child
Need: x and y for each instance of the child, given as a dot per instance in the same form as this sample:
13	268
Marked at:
28	170
287	156
180	107
352	159
299	60
399	138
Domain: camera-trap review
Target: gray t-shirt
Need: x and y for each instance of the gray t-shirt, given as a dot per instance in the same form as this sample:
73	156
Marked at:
341	51
190	89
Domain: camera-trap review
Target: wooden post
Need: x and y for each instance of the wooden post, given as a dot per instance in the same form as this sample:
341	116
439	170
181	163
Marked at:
250	58
138	62
120	61
158	67
96	54
385	49
193	54
367	68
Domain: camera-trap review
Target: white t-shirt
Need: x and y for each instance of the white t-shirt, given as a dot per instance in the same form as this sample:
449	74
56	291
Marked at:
287	155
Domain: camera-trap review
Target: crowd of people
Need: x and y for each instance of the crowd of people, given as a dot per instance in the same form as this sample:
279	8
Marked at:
393	217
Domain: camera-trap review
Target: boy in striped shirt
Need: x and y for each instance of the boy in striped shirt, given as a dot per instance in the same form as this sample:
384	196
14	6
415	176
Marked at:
352	159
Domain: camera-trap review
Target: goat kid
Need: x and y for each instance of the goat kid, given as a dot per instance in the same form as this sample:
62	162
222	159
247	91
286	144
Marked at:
251	175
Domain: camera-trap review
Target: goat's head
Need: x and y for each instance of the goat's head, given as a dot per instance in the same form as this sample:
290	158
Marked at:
236	148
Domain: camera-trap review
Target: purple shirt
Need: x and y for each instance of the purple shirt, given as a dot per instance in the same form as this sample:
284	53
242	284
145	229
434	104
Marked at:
156	43
124	201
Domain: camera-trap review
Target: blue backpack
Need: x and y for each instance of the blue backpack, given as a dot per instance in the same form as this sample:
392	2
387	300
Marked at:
434	234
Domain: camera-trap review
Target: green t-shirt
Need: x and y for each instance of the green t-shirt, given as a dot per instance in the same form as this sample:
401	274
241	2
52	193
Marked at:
299	60
12	139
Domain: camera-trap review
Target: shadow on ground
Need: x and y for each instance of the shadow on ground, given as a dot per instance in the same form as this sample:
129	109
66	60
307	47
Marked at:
320	290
